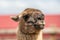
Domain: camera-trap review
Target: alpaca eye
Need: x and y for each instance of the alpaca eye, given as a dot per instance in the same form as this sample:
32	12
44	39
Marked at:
39	18
26	17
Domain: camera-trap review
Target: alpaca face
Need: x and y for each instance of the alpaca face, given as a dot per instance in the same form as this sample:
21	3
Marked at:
36	20
31	20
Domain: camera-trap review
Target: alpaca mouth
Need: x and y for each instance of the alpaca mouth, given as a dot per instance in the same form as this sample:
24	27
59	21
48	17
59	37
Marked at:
36	26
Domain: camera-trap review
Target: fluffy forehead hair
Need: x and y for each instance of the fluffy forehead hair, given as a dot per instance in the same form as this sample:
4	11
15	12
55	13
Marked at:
30	11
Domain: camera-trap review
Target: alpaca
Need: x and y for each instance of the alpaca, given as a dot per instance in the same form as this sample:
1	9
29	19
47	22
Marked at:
30	24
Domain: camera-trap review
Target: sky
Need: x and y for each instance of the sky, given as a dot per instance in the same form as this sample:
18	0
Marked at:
17	6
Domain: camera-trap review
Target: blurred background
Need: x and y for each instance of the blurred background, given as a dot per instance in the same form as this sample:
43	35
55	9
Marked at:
51	9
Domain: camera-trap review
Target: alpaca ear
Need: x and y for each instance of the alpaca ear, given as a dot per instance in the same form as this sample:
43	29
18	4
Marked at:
15	18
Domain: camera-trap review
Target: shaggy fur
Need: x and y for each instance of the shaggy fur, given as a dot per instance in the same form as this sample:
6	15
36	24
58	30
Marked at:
31	22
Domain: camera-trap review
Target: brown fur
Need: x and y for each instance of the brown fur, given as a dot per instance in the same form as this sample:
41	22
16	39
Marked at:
26	31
